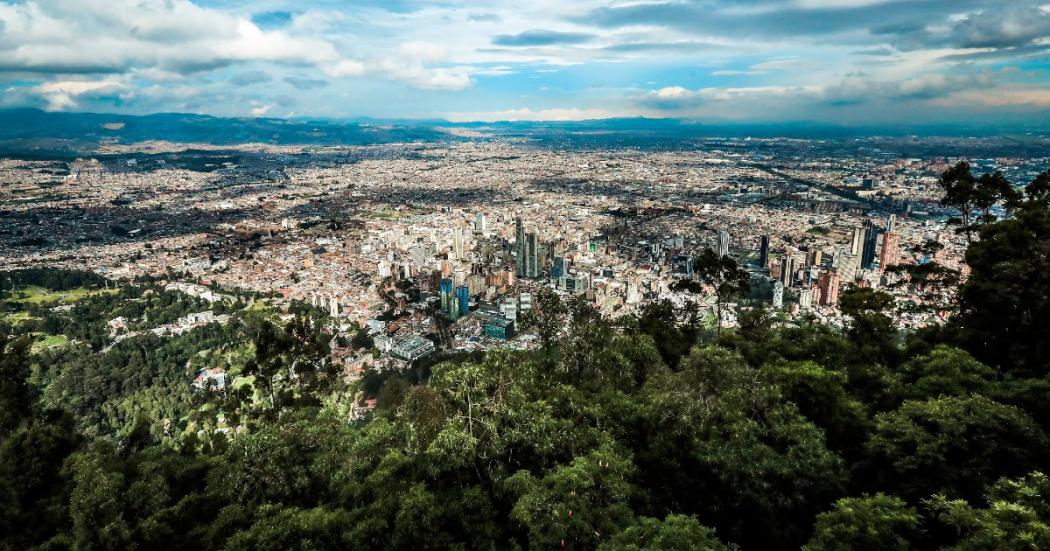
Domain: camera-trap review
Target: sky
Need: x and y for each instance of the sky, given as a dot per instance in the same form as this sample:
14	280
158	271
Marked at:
847	62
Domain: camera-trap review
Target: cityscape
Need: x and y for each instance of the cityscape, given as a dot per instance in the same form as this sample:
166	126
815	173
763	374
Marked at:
443	275
479	227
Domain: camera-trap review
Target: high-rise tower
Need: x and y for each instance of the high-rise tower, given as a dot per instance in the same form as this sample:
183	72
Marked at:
763	251
519	247
532	256
723	243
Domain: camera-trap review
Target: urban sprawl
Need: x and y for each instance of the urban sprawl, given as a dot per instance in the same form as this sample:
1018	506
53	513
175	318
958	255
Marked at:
445	246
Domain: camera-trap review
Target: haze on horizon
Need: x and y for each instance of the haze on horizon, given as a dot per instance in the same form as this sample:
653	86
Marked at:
833	61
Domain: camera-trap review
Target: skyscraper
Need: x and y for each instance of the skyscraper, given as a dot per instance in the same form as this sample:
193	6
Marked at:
463	297
848	267
857	243
723	243
828	283
763	251
871	240
445	291
532	256
558	269
519	247
787	269
457	242
890	253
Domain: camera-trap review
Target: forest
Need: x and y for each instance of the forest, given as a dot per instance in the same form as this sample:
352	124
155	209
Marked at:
645	432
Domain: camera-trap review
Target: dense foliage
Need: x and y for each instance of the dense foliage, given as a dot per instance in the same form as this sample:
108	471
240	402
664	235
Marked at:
646	433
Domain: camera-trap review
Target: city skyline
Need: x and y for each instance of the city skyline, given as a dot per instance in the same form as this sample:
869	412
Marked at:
848	62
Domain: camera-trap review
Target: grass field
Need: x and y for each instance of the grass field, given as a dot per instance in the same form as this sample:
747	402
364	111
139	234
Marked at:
38	295
17	317
44	341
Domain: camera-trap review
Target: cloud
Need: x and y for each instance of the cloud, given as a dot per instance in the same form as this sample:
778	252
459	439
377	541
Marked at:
304	83
427	78
423	52
679	47
248	78
731	73
115	36
875	52
260	110
807	19
483	17
1006	27
863	89
526	114
677	98
61	95
539	37
780	64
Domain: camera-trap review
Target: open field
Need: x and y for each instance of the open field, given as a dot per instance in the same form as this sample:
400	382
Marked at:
39	295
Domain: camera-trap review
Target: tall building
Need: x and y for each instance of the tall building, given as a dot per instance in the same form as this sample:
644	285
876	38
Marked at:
778	294
480	223
463	298
763	251
871	240
446	292
857	243
828	283
558	268
814	257
532	256
723	243
890	254
787	269
849	267
519	247
457	242
805	297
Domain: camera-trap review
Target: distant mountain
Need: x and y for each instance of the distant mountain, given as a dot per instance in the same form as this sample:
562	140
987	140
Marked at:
35	130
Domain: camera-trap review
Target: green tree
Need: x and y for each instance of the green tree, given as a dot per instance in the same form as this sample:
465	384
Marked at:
954	445
96	503
279	528
15	394
973	197
674	533
874	523
290	364
946	371
723	444
33	492
1017	516
729	280
578	504
549	318
1005	300
821	395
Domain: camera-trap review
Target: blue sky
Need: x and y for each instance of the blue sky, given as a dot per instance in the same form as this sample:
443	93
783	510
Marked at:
833	61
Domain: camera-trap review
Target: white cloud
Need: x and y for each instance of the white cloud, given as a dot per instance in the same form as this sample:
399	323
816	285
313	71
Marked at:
345	68
62	95
679	98
526	114
424	52
261	110
160	41
728	73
